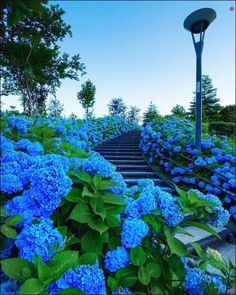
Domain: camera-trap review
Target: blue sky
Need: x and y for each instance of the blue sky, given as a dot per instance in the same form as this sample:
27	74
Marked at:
139	50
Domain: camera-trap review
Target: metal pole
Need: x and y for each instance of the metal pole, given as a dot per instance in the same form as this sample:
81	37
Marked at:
198	106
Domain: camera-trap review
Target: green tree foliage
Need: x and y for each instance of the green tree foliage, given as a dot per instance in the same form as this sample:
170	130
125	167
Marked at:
117	107
228	113
178	111
210	105
55	108
19	9
151	113
32	59
133	116
86	97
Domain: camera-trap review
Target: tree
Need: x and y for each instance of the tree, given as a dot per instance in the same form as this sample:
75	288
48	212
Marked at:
86	97
117	107
32	59
210	105
150	114
178	111
55	108
228	113
133	116
17	10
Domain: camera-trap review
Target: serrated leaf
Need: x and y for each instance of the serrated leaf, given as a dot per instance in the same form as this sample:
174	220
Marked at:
70	291
81	213
112	199
91	241
88	258
75	195
98	224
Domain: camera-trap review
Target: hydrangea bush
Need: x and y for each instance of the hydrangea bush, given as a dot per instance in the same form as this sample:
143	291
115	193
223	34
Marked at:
169	143
69	224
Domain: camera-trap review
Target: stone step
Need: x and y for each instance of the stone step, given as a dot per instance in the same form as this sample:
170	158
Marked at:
204	238
118	153
117	148
138	174
122	157
124	168
128	162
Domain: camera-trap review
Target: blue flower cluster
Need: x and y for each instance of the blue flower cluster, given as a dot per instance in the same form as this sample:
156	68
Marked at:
116	259
133	232
32	148
9	287
38	239
172	138
197	282
88	278
20	123
6	251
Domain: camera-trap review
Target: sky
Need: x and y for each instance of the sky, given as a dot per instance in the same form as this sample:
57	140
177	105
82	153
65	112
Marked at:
139	51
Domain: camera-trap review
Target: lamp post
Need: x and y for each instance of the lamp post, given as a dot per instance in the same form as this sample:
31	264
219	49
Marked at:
197	23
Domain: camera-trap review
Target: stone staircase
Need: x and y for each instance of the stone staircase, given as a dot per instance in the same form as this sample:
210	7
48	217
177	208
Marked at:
125	154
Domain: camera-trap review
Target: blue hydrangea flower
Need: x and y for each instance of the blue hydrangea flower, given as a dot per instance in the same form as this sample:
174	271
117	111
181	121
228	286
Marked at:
49	185
170	210
122	291
116	259
96	165
121	185
9	287
60	129
197	282
38	239
88	278
10	184
133	232
20	123
5	252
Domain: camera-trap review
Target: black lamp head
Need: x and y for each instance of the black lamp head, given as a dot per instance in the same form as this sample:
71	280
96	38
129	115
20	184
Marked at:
199	20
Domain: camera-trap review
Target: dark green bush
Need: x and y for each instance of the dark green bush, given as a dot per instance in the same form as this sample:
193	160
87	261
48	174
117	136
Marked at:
223	128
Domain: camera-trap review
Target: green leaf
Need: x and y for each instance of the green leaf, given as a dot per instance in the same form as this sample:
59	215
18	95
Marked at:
143	276
181	230
97	180
137	256
198	249
98	225
129	281
112	283
125	272
43	270
13	220
105	184
14	267
83	177
202	226
81	213
183	194
88	258
62	230
154	222
113	220
112	199
156	290
176	246
75	195
61	262
153	269
8	231
32	286
70	291
92	242
86	192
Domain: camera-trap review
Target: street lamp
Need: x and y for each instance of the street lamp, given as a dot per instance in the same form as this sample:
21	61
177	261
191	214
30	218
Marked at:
197	23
